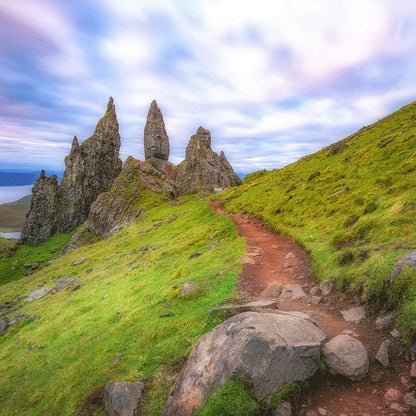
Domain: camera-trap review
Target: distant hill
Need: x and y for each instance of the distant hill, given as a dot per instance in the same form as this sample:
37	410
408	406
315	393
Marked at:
12	215
11	178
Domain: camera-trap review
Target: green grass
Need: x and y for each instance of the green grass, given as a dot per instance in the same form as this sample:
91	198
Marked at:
49	365
355	237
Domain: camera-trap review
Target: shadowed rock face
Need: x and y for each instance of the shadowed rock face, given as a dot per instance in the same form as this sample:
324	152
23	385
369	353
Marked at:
41	216
203	170
156	140
90	169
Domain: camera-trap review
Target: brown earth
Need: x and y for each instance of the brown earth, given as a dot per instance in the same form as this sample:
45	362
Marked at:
278	260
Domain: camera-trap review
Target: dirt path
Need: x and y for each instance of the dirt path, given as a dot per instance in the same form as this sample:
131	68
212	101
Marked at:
274	261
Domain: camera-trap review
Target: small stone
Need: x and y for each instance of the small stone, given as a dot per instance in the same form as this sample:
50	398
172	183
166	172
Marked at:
413	352
194	256
189	287
115	361
382	355
392	395
375	377
322	411
212	245
413	370
247	260
79	261
105	296
165	314
405	381
315	291
293	292
409	399
384	322
166	305
326	287
397	407
316	300
284	409
395	333
354	314
122	398
290	255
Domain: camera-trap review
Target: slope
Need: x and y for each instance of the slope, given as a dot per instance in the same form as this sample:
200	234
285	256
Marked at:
352	205
127	320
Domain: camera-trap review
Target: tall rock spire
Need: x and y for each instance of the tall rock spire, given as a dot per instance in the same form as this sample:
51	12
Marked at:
156	140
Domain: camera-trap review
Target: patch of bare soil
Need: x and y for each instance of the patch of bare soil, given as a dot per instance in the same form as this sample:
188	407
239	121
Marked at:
274	261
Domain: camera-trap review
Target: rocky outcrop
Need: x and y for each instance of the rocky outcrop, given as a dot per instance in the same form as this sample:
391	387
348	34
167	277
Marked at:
267	348
203	170
90	169
138	187
38	225
156	140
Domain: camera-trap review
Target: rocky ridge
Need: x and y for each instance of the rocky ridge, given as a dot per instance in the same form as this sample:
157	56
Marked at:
90	169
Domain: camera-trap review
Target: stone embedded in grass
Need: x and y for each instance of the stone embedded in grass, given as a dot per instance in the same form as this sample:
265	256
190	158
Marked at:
4	323
122	398
65	282
267	348
326	287
354	314
32	266
79	261
194	256
38	294
384	322
344	189
166	314
189	287
409	260
346	356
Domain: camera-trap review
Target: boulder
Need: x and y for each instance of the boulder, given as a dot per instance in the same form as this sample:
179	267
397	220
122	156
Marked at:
347	356
122	398
354	314
268	349
203	170
293	292
37	294
64	282
408	260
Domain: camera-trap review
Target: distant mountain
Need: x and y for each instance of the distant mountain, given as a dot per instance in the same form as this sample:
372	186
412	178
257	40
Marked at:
12	215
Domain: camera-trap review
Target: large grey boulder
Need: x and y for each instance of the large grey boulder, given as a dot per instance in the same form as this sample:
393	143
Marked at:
203	170
347	356
408	260
122	398
267	348
64	282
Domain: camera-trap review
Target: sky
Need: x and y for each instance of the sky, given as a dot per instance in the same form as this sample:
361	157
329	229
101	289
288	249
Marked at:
272	80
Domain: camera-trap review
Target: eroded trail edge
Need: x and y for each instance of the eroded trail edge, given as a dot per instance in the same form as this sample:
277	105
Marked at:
276	267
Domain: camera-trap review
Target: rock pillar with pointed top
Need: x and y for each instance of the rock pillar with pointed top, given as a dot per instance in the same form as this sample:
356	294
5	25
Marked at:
156	140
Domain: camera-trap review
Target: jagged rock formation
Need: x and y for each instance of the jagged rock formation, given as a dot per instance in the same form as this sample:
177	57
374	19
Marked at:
138	187
38	225
90	169
156	140
203	170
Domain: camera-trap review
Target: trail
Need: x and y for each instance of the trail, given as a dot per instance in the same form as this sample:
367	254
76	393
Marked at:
274	261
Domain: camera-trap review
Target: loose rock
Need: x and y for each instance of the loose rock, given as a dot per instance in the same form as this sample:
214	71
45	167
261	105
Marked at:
410	399
354	314
347	356
392	395
382	355
315	291
122	398
384	322
273	290
326	287
293	292
269	349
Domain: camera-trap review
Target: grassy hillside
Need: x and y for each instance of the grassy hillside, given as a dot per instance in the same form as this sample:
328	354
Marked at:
111	329
12	215
355	236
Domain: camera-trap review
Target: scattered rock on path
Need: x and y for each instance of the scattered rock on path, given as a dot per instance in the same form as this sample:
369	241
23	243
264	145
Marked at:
392	395
122	398
273	290
326	287
293	292
410	399
38	294
284	409
315	291
354	314
382	355
189	287
64	282
247	307
408	260
413	370
384	322
347	356
269	349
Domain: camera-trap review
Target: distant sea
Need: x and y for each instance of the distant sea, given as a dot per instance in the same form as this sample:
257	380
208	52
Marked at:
14	193
11	235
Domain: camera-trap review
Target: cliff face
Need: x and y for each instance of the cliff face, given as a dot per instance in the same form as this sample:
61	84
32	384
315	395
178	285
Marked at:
90	169
203	170
41	216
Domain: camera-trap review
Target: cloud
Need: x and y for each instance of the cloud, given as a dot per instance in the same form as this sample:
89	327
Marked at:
271	80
